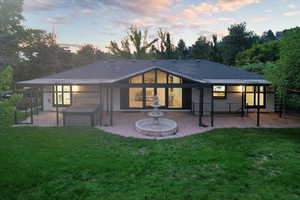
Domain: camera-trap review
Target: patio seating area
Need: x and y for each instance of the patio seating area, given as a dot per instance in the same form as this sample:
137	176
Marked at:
123	122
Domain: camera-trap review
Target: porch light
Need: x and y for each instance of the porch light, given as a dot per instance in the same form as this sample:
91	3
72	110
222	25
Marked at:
240	88
75	88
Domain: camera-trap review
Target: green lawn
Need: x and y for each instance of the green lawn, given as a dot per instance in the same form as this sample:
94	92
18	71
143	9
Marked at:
85	163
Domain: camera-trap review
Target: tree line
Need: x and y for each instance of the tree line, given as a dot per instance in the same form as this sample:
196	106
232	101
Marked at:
35	53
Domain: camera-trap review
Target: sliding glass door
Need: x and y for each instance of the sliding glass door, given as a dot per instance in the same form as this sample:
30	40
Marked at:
168	97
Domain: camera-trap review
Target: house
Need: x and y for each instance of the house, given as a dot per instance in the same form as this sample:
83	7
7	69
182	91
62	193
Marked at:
201	86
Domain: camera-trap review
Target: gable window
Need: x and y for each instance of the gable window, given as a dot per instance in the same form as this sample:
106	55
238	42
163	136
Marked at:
136	79
169	97
149	77
64	96
219	91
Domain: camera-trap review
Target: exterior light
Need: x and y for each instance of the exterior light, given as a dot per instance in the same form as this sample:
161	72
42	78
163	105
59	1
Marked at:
75	88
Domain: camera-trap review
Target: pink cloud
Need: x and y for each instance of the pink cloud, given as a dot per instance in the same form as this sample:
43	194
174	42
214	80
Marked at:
259	19
232	5
221	5
291	13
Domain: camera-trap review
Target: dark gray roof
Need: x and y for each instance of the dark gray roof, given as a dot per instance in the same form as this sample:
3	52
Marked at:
108	71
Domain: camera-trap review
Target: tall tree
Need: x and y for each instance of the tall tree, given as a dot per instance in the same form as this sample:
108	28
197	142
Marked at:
181	50
215	52
10	20
41	55
140	42
88	54
201	48
289	63
120	52
239	39
165	46
268	36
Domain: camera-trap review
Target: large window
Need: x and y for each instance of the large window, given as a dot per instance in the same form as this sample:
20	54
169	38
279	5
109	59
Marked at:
168	97
252	96
219	91
175	98
64	96
136	97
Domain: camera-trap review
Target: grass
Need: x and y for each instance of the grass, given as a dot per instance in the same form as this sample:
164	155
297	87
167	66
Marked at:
85	163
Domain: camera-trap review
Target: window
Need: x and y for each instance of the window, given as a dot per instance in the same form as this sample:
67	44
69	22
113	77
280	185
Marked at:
161	77
136	79
136	97
174	79
175	98
64	96
168	97
219	91
149	77
252	96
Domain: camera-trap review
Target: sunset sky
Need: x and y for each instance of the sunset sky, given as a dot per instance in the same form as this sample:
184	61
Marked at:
99	21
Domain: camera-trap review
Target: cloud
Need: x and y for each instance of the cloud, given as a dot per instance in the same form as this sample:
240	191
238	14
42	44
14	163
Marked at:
85	11
291	6
268	11
57	20
139	7
291	13
259	19
193	11
232	5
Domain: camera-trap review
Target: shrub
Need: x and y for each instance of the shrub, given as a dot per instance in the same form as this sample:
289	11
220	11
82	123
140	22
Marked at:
7	109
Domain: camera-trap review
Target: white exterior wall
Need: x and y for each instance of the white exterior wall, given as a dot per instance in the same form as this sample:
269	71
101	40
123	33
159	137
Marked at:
220	105
83	98
234	99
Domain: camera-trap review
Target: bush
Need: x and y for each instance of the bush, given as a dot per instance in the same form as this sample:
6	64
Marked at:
7	109
293	103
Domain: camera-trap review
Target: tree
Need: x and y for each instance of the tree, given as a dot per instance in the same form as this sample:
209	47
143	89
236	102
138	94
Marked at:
10	20
6	79
265	52
120	52
201	48
215	52
181	50
166	49
268	36
289	62
140	42
238	40
260	67
88	54
41	55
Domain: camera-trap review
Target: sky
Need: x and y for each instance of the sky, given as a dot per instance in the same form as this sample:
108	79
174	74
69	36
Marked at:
97	22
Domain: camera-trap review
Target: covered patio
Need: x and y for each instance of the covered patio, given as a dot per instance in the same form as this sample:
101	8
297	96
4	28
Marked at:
187	123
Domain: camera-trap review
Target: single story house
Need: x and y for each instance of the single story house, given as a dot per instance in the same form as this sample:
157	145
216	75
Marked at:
201	86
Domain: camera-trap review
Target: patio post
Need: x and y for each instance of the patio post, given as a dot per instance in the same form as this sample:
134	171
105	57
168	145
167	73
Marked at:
56	104
100	102
243	101
212	107
107	99
111	105
258	105
200	106
31	105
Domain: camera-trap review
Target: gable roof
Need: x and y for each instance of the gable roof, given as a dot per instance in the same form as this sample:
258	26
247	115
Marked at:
111	71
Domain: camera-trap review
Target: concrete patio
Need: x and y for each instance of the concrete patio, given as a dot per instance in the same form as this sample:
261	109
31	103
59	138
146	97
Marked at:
123	122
